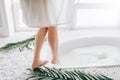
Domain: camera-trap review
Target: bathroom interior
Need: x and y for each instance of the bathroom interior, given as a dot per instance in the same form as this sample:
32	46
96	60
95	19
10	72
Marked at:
91	40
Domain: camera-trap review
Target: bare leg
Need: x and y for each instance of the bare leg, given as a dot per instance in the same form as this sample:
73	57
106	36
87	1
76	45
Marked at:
39	39
53	42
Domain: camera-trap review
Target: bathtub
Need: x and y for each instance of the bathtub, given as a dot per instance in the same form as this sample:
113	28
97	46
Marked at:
102	50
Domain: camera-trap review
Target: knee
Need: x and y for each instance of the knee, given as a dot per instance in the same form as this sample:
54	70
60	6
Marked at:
43	29
52	29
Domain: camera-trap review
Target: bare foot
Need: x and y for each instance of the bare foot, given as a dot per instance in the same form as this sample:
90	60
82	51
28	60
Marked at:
55	61
36	64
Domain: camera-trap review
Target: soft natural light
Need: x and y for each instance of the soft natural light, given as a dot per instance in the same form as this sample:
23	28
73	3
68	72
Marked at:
100	1
21	19
89	13
60	39
93	17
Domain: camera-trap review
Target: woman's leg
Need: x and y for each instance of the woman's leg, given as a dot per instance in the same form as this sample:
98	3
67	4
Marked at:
39	40
53	42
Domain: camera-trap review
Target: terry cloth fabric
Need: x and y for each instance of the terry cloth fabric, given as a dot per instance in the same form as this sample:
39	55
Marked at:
44	13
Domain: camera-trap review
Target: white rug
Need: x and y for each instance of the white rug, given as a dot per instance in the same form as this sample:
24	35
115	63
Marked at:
13	66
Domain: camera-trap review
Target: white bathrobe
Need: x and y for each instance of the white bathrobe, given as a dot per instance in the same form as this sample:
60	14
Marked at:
44	13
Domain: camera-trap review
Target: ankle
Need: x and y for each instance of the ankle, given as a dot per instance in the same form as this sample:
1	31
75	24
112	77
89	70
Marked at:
54	58
36	59
55	61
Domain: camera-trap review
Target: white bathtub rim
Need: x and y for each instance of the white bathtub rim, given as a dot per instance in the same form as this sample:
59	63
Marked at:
79	42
